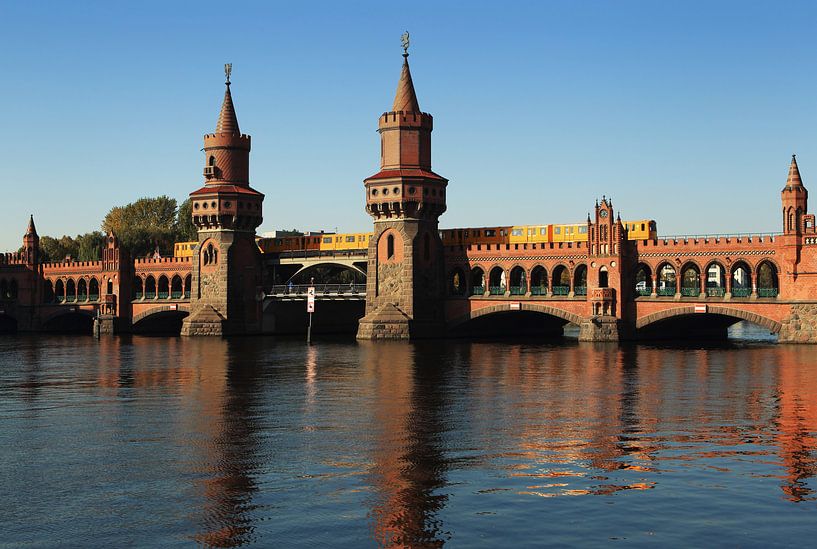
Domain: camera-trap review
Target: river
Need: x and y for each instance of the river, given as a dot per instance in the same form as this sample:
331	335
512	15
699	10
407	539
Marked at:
162	442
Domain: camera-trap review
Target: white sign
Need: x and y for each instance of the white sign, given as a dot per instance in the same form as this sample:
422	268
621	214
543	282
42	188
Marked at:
516	306
310	299
700	308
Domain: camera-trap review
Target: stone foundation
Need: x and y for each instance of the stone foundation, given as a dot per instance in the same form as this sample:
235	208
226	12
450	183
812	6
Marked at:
204	322
800	326
387	322
599	328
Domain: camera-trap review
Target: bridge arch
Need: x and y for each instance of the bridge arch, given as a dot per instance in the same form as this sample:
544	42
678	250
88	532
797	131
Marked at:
503	308
146	314
739	314
767	278
334	270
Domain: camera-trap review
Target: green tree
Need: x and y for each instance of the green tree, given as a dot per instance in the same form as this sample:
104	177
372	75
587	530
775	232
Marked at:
185	230
144	225
89	246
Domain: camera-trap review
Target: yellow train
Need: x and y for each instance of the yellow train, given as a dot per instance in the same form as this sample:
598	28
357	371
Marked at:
184	249
315	242
642	229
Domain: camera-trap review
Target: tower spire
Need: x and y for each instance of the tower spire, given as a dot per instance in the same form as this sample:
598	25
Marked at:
227	120
31	230
794	174
405	100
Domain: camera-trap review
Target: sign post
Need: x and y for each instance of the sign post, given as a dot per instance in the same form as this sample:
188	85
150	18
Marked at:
310	308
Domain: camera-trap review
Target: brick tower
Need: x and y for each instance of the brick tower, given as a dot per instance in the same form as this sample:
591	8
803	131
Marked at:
606	252
405	272
794	197
226	211
31	244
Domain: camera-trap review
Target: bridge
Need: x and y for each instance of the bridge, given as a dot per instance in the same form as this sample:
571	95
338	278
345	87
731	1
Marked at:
405	281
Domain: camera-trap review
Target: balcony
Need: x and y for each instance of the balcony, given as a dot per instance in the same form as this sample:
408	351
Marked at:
209	171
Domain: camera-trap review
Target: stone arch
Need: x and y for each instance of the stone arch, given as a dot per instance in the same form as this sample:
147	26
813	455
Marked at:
666	278
476	280
160	309
305	273
740	273
138	288
525	306
767	279
62	311
82	290
580	279
715	278
93	289
163	287
766	322
538	280
497	281
150	287
59	290
643	279
691	279
176	287
70	290
560	283
518	280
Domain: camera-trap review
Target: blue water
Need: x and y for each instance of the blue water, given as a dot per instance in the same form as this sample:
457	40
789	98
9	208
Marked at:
162	442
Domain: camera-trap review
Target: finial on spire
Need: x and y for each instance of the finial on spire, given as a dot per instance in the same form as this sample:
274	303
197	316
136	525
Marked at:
404	41
228	70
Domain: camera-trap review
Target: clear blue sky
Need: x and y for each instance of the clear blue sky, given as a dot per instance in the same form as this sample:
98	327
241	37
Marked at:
685	112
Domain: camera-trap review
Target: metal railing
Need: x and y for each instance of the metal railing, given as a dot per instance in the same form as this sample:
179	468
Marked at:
478	290
560	290
496	290
646	291
300	290
518	290
690	292
767	292
538	290
715	292
666	292
741	292
580	290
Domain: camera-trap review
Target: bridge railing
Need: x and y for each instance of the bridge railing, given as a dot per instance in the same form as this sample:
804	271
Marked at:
306	254
300	290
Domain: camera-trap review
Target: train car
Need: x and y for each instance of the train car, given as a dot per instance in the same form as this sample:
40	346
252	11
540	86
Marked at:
574	232
642	229
184	249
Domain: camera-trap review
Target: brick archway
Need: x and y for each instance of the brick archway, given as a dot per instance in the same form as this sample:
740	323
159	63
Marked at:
772	325
160	309
503	308
68	311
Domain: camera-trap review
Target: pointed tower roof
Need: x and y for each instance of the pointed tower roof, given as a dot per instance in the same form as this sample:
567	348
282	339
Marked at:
227	120
405	100
794	174
31	230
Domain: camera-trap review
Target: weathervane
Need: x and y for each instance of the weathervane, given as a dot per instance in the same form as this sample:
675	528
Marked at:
404	41
228	70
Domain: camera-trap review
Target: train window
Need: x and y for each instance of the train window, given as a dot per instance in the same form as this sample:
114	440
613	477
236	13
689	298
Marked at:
350	238
327	240
557	230
489	232
543	231
642	226
531	232
503	232
466	234
583	230
516	232
337	239
570	229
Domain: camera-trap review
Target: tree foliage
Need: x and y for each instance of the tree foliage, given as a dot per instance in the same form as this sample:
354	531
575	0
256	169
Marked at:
150	224
83	247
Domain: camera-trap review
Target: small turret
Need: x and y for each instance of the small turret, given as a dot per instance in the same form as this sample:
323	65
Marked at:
794	197
31	243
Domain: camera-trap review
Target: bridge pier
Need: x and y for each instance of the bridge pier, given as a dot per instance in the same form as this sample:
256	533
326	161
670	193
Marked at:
599	328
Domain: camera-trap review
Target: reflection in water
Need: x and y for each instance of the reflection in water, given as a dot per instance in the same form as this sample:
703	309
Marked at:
269	442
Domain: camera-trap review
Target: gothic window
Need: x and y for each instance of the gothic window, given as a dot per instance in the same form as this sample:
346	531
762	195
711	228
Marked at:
390	247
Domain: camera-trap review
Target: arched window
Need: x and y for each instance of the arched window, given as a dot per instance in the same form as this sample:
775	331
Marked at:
93	290
82	290
580	280
496	281
767	281
187	283
477	281
561	281
48	292
138	288
110	287
715	280
176	289
390	246
690	280
643	280
519	281
59	289
604	278
538	281
741	280
150	287
212	161
666	280
70	291
164	291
